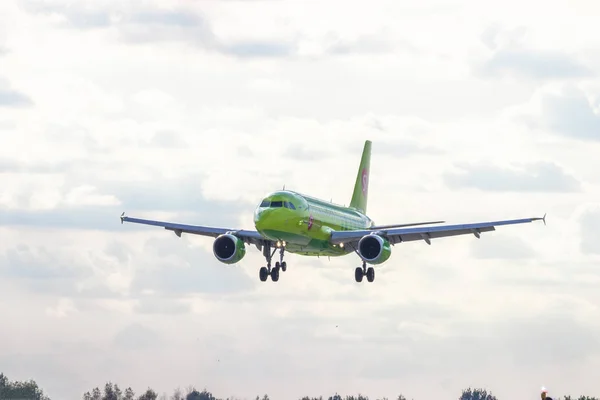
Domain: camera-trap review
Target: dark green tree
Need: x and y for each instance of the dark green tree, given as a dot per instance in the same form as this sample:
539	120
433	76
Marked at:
148	395
580	398
129	394
20	390
112	392
476	394
196	395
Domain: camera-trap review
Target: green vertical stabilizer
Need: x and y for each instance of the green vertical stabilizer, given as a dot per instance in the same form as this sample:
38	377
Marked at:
361	187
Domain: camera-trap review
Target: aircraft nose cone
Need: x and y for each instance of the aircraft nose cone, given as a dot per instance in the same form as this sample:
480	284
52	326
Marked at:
260	219
263	220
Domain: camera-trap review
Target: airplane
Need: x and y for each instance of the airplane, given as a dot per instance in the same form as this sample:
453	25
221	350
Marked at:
292	222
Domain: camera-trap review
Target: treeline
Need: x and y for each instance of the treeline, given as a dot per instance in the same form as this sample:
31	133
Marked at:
29	390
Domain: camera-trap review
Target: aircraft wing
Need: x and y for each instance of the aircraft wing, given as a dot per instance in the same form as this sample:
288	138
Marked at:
378	227
251	237
397	235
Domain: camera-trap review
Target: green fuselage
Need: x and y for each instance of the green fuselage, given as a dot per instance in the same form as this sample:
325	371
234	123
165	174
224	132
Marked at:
304	223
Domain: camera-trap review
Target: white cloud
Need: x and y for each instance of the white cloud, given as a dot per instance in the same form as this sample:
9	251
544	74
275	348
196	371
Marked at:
62	309
193	113
87	195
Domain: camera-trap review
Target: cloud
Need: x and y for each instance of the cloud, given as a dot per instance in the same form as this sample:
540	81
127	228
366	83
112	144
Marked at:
570	114
533	64
372	44
502	247
137	337
512	57
150	23
538	177
96	207
546	333
38	263
185	270
164	269
301	152
590	223
13	98
161	305
403	148
253	49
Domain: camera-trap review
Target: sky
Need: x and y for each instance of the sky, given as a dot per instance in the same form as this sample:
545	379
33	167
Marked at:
192	111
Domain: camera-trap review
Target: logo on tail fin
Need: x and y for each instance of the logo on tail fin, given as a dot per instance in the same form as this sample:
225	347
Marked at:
365	181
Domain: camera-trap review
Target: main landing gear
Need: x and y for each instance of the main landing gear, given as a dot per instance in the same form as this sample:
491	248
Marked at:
359	272
264	272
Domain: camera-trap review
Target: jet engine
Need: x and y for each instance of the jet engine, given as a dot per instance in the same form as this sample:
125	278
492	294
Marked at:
229	249
374	249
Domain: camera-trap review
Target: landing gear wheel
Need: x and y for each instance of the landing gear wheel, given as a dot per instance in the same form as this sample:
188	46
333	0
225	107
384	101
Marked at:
283	266
371	274
275	274
358	274
263	274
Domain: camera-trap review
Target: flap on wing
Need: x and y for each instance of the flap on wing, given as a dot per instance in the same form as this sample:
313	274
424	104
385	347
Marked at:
377	227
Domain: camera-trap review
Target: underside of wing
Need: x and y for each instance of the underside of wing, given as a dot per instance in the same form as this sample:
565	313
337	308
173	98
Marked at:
252	237
397	235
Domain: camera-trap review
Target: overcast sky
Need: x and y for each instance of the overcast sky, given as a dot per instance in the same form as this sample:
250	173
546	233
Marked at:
193	110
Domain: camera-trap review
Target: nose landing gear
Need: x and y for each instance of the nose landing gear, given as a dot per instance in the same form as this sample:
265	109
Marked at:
267	271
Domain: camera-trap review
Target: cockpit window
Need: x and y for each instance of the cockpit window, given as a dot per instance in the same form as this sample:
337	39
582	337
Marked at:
277	204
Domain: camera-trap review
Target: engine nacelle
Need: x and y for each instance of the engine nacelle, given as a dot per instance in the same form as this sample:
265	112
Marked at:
374	249
229	249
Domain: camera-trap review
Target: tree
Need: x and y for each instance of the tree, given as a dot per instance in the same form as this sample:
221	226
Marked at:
129	394
177	394
20	390
148	395
196	395
112	392
476	394
581	398
3	381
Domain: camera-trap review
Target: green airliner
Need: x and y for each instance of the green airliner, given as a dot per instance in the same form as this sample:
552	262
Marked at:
292	222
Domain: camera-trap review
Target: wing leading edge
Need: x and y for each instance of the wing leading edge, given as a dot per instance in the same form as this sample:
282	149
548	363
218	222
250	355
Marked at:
251	237
397	235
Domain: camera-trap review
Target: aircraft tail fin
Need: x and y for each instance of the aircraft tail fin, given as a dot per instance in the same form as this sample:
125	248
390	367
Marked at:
361	186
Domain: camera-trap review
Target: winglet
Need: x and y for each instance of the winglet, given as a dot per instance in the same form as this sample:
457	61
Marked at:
542	218
122	217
